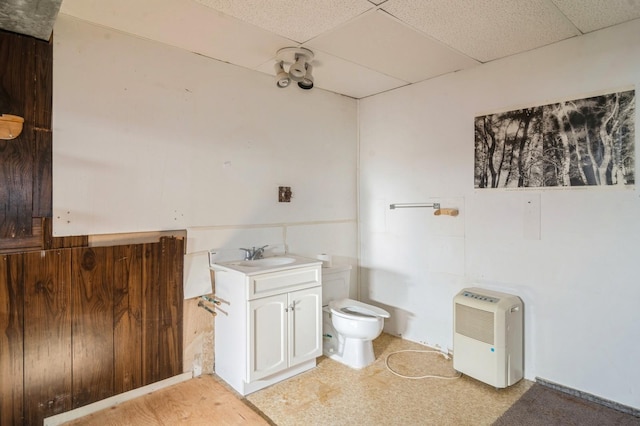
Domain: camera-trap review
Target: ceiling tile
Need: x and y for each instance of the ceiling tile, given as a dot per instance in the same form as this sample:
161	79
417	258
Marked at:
344	77
380	42
363	47
591	15
489	29
183	24
294	19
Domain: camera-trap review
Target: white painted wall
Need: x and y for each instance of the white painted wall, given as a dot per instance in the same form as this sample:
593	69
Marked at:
148	137
579	280
338	238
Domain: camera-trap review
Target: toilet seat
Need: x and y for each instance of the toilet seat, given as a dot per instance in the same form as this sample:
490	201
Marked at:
353	309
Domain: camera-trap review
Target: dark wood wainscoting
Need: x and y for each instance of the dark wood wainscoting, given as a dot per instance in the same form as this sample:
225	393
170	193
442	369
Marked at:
26	161
78	325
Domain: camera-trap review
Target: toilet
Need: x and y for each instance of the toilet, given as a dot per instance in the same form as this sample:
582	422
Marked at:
349	326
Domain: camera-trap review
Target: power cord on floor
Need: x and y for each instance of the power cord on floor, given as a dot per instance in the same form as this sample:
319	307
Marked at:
428	376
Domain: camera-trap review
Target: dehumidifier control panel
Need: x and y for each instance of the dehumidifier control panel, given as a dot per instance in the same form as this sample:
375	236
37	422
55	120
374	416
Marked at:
482	297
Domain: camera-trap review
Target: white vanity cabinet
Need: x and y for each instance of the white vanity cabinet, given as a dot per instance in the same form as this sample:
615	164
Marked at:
269	323
284	331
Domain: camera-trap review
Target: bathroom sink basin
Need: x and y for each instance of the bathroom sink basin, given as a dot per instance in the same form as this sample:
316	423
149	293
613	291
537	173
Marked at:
267	261
267	264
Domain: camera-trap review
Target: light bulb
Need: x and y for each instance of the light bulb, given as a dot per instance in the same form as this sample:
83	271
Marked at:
282	78
298	70
307	81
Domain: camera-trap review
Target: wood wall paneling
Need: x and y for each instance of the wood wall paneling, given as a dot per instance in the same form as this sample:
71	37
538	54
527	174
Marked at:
51	242
127	317
162	309
16	167
11	340
150	306
16	182
171	271
42	174
41	121
43	86
34	242
47	334
16	53
26	161
92	324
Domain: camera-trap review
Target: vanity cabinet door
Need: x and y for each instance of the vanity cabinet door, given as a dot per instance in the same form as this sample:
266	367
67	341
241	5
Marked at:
305	325
284	330
267	336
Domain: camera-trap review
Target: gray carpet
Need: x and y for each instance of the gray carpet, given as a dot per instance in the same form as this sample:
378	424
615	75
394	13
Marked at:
543	406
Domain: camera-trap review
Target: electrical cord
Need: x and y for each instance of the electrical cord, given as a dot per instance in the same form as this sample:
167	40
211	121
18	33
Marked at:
428	376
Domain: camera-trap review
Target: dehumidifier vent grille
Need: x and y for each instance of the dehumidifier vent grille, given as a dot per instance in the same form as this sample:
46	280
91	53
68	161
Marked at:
475	323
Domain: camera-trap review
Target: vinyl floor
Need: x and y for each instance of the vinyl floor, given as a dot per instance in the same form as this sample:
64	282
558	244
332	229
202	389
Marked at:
333	394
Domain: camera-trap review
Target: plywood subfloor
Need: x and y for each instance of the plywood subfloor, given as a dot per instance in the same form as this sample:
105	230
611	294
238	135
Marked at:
199	401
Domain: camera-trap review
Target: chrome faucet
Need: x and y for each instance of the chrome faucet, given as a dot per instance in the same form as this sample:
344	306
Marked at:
253	253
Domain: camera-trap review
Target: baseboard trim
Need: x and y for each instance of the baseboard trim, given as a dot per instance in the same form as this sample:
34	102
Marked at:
589	397
67	416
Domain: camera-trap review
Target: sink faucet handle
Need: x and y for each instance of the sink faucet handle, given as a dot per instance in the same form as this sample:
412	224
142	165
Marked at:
253	253
257	253
247	253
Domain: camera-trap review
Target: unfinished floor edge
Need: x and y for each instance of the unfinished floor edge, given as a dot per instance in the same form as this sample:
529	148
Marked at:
589	397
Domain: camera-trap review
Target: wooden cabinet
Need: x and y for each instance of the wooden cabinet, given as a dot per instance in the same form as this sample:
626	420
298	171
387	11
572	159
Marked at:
268	327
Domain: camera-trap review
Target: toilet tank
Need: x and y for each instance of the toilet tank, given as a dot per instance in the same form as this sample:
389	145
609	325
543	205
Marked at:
335	283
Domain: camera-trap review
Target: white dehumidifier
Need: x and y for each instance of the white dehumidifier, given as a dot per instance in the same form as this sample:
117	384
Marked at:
487	338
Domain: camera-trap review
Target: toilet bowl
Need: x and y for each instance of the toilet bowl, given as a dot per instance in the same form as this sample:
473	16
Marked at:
356	324
349	326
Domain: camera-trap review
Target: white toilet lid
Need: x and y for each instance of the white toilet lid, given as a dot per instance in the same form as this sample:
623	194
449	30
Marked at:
355	309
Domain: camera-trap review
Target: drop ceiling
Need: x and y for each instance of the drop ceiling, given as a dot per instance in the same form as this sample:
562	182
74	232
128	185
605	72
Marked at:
361	47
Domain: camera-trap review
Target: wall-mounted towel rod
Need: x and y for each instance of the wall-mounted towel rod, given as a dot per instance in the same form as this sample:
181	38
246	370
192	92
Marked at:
436	206
413	205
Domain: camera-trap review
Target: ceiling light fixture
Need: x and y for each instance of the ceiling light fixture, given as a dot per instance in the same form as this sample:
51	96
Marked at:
299	61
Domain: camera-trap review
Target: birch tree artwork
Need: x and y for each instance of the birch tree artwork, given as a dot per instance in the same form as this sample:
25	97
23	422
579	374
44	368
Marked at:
582	142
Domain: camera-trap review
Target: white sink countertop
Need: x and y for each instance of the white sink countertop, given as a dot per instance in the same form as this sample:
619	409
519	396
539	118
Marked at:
266	264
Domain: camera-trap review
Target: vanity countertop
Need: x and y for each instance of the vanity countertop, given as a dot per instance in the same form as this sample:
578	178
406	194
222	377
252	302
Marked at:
267	264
